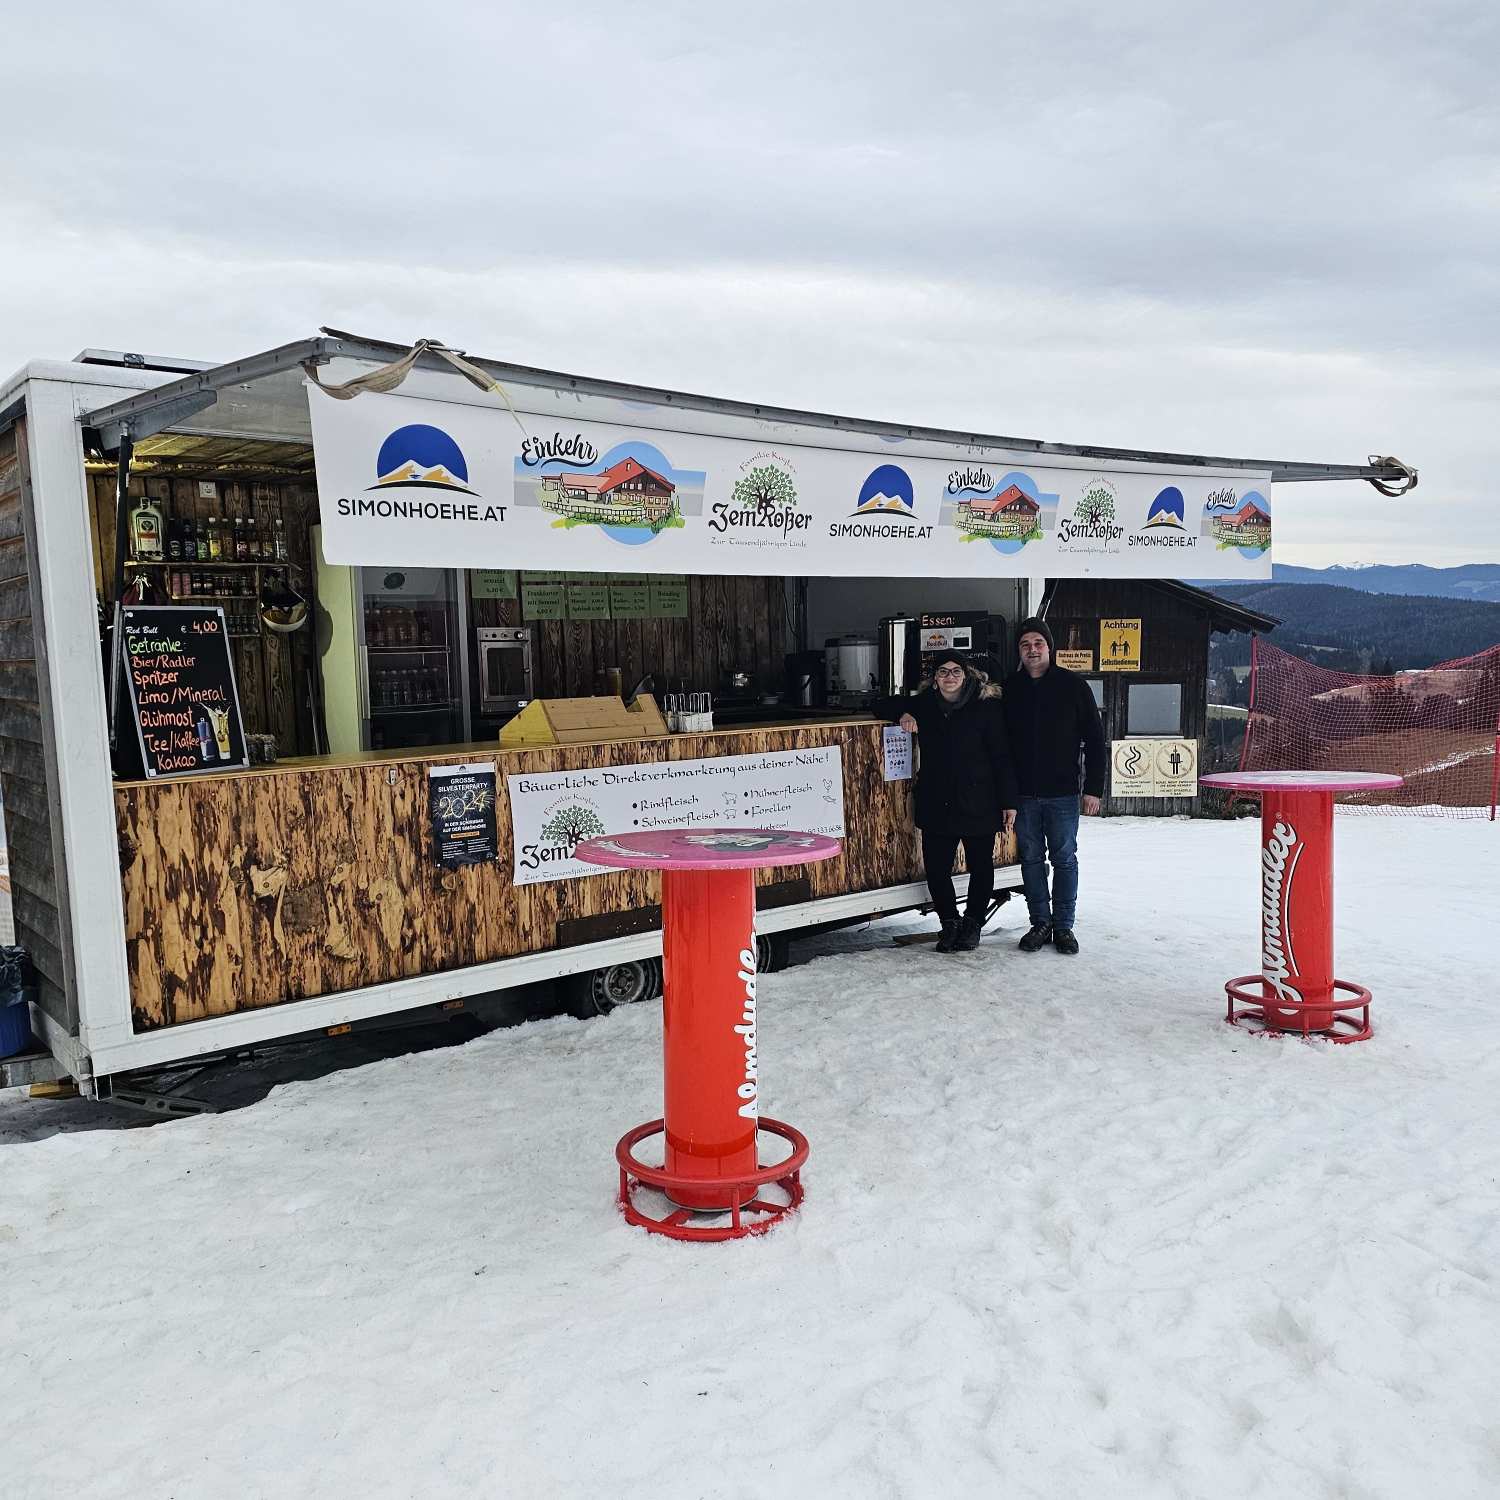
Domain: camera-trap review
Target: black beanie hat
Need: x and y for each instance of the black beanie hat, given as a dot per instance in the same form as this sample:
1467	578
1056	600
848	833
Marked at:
948	654
1035	626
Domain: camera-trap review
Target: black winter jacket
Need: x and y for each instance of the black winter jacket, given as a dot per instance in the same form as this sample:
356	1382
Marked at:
965	779
1049	719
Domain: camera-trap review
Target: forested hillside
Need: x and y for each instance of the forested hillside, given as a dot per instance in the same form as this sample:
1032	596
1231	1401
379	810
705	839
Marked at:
1371	632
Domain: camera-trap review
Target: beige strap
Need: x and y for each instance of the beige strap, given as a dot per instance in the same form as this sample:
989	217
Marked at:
388	377
1393	490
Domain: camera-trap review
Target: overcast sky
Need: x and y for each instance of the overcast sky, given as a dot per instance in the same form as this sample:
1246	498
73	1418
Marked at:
1271	233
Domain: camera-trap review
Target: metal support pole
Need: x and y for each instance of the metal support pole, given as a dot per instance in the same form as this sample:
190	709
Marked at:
122	544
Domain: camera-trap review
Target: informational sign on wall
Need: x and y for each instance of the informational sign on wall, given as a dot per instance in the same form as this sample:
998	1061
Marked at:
895	747
1154	768
461	805
1075	661
551	811
184	710
408	480
1119	645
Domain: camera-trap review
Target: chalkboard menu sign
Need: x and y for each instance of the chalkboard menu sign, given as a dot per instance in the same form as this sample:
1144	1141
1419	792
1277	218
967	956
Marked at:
184	711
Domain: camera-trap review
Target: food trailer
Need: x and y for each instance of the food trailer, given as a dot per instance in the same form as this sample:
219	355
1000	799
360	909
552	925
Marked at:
319	664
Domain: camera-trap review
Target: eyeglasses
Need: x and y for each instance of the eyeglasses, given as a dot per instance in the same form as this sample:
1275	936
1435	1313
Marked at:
949	672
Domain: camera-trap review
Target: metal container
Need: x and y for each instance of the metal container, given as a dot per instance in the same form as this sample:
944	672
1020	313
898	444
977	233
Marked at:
900	663
850	664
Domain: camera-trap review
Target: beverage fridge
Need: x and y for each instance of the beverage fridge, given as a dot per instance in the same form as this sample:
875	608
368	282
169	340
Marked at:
392	652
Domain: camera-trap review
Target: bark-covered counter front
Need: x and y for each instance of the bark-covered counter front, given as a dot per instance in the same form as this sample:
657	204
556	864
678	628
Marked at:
292	881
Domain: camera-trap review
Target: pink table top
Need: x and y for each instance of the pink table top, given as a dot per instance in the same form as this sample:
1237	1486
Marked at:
1302	781
707	849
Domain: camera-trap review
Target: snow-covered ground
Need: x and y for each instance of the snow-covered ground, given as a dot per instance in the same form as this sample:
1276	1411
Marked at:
1066	1234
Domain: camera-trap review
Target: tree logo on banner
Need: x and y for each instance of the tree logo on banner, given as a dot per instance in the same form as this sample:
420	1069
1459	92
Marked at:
568	825
766	487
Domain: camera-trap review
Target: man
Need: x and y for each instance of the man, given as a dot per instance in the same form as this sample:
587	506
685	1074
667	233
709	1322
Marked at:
1051	715
966	790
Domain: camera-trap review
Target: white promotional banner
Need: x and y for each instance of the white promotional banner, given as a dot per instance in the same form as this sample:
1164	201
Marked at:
405	481
550	811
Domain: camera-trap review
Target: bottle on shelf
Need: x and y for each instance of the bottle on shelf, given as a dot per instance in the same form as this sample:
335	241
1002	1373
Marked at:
215	540
278	541
145	531
174	541
241	539
424	629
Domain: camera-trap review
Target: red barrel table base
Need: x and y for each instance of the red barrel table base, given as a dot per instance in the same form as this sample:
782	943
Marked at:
1267	1012
741	1189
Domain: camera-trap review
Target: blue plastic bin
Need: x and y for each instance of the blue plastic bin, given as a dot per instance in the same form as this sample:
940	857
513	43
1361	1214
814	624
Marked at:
15	1028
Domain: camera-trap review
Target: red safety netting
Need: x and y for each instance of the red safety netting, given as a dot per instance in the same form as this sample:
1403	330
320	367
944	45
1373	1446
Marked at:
1439	728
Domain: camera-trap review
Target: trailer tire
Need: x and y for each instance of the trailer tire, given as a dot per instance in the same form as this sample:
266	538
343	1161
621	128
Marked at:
773	952
597	992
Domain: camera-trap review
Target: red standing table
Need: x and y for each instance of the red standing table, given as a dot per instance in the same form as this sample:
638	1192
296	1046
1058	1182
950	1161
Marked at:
710	1063
1296	990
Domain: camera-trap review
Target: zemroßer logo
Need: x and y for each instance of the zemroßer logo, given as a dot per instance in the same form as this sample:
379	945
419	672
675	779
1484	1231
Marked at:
422	456
566	823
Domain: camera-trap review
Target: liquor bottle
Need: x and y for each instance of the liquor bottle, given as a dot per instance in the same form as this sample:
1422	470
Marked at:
145	531
215	540
241	539
205	541
278	542
174	541
424	632
261	551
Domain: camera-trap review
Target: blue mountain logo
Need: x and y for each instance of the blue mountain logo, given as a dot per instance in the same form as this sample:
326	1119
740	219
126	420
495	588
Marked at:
888	488
422	456
1166	509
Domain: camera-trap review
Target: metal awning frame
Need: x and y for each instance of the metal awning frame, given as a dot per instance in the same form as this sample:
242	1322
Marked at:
141	416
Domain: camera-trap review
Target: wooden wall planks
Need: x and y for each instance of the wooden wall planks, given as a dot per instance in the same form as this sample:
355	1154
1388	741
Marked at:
254	889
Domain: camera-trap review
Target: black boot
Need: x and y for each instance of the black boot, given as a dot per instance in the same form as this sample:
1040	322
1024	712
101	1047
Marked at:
948	936
1063	940
1038	938
968	935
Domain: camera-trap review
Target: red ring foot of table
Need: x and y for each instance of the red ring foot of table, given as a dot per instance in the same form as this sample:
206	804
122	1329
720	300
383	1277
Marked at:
710	1046
1257	1017
1298	994
742	1190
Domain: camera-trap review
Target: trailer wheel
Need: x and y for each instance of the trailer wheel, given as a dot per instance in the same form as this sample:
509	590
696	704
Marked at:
599	991
773	951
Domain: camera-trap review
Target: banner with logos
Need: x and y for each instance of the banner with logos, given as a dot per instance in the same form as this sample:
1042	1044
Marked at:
550	811
406	481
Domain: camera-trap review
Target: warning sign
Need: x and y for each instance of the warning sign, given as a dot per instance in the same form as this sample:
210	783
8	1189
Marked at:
1154	768
1119	645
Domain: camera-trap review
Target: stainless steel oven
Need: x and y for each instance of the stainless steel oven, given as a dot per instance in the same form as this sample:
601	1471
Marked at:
505	680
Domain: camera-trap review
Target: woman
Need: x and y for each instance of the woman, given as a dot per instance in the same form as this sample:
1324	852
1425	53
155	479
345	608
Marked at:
966	788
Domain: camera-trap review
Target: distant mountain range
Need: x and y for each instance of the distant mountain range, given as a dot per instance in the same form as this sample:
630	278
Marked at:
1478	581
1358	630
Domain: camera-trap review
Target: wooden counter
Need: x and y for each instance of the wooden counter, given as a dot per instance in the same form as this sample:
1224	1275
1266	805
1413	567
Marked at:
282	882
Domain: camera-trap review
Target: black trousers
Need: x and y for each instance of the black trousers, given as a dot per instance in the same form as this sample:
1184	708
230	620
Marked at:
938	851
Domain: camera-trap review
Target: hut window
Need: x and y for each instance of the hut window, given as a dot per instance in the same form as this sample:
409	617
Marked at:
1154	708
1096	687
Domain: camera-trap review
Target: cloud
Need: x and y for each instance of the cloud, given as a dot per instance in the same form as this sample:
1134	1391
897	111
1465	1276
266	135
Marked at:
1259	233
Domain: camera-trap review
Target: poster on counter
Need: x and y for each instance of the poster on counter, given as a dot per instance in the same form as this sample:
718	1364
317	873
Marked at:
895	748
1153	768
550	811
409	481
461	805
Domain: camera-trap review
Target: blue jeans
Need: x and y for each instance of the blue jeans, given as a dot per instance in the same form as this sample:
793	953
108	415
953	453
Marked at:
1048	826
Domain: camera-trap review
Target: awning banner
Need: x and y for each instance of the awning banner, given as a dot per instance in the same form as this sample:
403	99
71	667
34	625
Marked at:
410	481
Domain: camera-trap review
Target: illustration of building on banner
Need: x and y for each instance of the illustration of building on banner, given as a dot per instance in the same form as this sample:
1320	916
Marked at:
626	494
1249	526
1012	515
